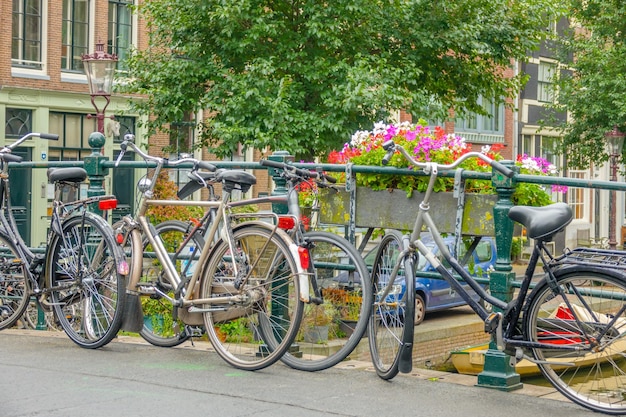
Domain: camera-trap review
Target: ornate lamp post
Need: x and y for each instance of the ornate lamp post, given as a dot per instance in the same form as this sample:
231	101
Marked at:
614	141
100	68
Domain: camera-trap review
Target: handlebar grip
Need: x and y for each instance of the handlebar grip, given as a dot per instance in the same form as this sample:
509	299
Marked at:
504	170
207	166
390	147
49	136
9	157
273	164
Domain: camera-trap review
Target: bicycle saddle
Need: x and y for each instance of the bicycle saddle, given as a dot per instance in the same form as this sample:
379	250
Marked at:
72	174
234	179
542	223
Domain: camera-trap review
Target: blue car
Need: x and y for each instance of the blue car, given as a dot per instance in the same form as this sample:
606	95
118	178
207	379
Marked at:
432	294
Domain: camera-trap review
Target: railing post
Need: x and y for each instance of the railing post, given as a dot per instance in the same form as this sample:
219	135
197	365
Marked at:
498	372
280	183
95	170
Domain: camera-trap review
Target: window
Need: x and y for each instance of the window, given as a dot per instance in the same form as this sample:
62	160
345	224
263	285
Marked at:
483	129
544	147
576	197
120	29
26	32
73	130
125	125
18	123
545	86
75	34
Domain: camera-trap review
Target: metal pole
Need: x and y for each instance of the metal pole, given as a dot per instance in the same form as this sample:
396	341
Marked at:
612	208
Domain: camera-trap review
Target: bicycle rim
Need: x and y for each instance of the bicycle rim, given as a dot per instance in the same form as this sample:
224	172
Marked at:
331	331
386	325
259	325
14	285
586	315
87	292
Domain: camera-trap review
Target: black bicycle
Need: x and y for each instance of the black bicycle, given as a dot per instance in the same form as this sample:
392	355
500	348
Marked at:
81	275
572	323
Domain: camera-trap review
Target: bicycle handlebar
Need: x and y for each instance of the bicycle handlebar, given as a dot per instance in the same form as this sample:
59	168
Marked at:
302	173
5	152
164	162
390	146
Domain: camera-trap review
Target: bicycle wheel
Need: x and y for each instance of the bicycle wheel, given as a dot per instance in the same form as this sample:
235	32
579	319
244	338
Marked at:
86	289
255	324
582	321
387	328
343	281
160	327
14	285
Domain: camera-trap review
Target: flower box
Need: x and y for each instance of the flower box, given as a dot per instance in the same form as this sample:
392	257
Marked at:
392	209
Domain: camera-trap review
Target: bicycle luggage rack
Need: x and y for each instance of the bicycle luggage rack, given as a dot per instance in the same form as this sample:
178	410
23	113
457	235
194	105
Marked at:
591	256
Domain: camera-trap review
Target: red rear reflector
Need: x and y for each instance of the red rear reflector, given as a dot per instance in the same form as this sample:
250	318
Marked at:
286	223
107	204
119	238
305	258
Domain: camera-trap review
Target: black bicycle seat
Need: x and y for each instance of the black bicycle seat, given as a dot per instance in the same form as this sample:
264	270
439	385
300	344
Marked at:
235	179
542	223
72	174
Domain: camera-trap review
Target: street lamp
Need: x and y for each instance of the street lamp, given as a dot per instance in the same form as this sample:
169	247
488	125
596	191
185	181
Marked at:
100	68
614	141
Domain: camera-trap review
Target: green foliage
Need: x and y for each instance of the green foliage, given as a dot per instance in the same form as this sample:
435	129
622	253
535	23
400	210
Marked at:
593	90
299	76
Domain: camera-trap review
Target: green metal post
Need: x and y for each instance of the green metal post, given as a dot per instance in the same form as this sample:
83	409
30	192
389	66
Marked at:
95	170
498	372
41	319
280	183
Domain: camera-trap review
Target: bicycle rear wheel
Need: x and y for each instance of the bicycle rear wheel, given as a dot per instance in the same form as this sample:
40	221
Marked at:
344	284
14	285
387	330
86	290
582	322
162	327
254	325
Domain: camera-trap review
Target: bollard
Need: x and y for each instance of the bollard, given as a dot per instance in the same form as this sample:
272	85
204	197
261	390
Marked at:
498	372
95	170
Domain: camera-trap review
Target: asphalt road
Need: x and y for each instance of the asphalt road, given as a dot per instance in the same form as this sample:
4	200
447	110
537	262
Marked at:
45	374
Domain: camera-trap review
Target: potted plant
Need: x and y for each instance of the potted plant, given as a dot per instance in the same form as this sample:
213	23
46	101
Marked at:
317	321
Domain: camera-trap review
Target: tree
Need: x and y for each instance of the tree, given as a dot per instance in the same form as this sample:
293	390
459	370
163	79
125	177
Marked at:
304	75
593	89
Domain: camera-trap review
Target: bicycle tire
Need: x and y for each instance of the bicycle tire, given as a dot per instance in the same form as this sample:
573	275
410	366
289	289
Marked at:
14	285
592	373
163	330
270	308
387	330
86	289
340	272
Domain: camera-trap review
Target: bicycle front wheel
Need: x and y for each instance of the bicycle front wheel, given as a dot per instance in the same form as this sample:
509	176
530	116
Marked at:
343	284
392	302
14	285
255	310
86	289
581	322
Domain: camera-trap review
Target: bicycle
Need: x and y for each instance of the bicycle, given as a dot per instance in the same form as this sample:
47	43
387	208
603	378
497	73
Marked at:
337	272
572	321
246	283
81	276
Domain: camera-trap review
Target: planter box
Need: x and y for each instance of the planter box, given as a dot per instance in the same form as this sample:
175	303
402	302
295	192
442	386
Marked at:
393	210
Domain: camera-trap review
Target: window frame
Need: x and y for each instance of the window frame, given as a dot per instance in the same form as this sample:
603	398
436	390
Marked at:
69	33
19	36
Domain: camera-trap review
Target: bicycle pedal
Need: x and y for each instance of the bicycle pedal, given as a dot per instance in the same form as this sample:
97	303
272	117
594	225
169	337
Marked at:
492	322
